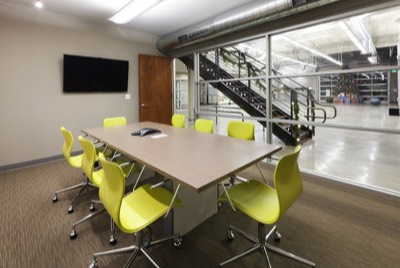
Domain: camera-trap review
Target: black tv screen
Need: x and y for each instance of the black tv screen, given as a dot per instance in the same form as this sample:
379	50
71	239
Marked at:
89	74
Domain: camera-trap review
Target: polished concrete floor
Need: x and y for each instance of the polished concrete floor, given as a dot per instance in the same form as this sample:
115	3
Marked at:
366	158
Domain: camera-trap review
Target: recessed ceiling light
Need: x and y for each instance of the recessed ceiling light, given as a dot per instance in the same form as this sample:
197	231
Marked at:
133	9
38	4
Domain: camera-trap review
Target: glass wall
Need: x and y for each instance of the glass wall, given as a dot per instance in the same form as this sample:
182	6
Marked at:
331	87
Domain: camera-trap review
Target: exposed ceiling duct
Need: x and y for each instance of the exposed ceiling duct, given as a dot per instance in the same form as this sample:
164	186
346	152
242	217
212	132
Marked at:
242	18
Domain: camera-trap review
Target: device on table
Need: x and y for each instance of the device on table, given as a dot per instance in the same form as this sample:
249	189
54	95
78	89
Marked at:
145	131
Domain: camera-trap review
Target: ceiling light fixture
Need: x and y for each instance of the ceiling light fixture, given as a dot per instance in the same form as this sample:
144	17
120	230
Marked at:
313	51
133	9
38	4
373	59
294	60
352	37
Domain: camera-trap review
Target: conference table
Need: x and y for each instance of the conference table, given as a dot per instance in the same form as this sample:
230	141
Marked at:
197	161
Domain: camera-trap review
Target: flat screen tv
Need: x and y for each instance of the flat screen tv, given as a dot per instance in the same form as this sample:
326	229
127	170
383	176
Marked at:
89	74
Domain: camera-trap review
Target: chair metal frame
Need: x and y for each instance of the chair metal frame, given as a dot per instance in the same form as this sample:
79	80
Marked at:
67	149
261	241
140	245
129	165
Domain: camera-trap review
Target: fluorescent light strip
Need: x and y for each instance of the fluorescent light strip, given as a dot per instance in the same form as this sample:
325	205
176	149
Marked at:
327	57
360	27
372	59
293	60
352	37
133	9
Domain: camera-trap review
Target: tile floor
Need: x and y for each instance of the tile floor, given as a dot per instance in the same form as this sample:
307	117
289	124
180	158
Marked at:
366	158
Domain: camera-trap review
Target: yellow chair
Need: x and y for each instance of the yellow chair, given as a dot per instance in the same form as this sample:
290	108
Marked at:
95	177
178	120
204	125
267	205
110	122
114	121
241	130
73	161
133	212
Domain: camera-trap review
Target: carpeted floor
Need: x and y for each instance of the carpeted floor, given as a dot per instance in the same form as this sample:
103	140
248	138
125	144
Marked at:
332	224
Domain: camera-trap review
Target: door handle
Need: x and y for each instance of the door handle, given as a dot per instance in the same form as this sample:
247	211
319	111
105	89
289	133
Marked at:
143	105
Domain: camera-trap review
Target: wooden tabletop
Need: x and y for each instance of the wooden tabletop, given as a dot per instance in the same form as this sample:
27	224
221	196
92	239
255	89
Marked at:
196	159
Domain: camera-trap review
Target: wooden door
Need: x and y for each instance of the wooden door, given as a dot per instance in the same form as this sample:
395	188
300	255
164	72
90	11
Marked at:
155	89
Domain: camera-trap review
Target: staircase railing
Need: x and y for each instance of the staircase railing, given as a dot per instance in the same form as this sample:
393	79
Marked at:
239	64
225	67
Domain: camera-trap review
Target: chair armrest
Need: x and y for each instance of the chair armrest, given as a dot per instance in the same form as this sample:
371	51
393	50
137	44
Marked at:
126	164
161	183
115	155
235	177
172	201
228	197
139	177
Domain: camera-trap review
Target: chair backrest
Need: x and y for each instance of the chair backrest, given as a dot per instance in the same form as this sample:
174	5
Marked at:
114	121
178	120
204	125
68	143
287	180
241	130
112	188
89	157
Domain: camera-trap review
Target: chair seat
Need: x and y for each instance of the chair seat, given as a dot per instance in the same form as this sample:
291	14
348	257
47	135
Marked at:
256	199
76	161
144	206
97	176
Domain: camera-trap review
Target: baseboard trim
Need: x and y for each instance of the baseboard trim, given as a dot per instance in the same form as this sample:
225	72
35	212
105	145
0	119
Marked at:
35	162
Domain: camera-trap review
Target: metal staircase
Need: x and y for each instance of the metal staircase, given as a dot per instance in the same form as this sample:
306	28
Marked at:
285	93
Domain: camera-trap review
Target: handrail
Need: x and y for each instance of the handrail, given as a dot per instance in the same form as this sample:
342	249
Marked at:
316	108
226	112
299	122
307	104
330	106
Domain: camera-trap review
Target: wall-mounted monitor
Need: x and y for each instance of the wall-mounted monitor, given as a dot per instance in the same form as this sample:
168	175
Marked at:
90	74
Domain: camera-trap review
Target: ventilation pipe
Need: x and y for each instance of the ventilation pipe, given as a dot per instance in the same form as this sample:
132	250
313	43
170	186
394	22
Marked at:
237	19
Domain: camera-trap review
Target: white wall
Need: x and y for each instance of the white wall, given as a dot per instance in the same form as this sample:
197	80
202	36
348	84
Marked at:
32	104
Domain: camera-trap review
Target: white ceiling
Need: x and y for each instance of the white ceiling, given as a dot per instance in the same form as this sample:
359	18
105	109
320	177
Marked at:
167	17
174	15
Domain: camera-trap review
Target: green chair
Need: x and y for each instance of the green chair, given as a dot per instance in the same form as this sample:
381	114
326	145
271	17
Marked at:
73	161
204	125
241	130
95	177
135	211
267	205
178	120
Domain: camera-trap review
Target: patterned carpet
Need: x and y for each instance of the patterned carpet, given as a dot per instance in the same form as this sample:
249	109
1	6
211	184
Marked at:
332	224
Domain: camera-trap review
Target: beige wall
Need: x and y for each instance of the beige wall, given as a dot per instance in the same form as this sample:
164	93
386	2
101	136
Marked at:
32	104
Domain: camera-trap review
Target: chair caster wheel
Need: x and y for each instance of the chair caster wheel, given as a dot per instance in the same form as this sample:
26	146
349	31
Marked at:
277	236
113	240
73	234
94	264
92	207
231	235
70	210
178	241
55	198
